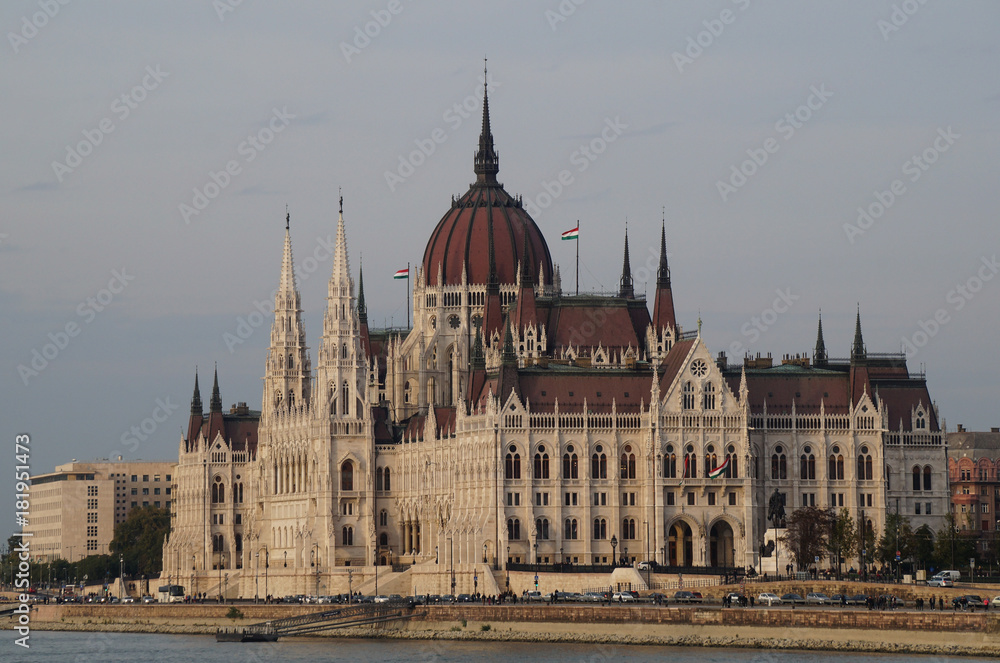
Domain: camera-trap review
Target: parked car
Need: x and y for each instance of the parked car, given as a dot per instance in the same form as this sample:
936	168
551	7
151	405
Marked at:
940	581
995	602
684	596
818	598
534	596
592	597
464	598
128	599
622	597
971	601
954	575
792	598
768	598
648	564
857	599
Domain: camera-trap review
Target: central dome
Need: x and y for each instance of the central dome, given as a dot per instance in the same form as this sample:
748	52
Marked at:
461	239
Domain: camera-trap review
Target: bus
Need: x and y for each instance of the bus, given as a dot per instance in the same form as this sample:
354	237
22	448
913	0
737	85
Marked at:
170	594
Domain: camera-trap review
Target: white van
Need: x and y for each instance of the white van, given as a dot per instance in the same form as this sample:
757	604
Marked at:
944	579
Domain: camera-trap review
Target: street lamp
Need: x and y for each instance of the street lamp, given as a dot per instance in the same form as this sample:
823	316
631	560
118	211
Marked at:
435	554
193	586
625	555
121	574
256	576
536	552
614	545
226	590
222	563
451	542
506	566
484	553
350	586
475	581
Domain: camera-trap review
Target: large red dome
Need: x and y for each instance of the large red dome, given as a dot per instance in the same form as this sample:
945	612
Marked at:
461	239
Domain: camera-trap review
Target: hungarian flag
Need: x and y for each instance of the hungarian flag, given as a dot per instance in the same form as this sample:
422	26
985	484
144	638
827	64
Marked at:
402	274
572	234
717	472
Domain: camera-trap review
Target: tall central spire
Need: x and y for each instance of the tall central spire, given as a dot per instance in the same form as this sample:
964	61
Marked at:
486	163
626	290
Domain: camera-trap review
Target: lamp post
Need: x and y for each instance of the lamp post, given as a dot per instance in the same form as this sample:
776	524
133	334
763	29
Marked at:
648	570
376	573
267	563
614	545
536	551
316	550
222	563
435	554
194	593
350	586
506	566
256	576
121	574
484	553
475	581
451	542
226	590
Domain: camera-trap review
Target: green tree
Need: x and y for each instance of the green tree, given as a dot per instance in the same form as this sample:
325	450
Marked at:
843	541
807	534
951	548
923	547
897	536
139	540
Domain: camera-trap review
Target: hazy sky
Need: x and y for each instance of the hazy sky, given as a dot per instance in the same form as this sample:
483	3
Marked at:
117	114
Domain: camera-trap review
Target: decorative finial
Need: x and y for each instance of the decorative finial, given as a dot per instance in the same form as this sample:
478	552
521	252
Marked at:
699	322
340	193
288	217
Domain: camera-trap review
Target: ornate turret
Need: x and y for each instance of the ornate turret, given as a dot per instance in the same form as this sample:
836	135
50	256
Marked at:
858	352
196	407
663	308
487	163
626	290
819	353
216	403
287	377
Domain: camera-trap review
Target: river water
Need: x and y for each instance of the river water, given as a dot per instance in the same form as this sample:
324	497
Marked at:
76	647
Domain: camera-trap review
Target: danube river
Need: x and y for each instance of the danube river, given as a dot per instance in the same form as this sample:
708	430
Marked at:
74	647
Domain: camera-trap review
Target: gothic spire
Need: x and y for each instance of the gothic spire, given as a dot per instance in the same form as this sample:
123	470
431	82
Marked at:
216	404
663	273
477	361
362	308
486	163
508	356
287	284
858	349
526	281
819	354
196	406
627	290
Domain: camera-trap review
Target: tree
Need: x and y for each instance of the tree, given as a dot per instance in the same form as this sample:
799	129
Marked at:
139	540
951	549
843	540
923	547
807	534
897	537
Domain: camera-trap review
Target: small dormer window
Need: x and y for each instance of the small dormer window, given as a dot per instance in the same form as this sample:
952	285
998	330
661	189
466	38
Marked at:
921	420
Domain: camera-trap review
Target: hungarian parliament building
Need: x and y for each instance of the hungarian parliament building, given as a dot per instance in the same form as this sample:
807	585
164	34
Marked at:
516	423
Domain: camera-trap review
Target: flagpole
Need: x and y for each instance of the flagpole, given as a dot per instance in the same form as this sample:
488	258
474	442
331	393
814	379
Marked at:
578	256
407	295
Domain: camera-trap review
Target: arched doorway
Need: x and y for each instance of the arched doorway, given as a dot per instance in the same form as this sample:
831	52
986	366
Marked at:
722	548
681	545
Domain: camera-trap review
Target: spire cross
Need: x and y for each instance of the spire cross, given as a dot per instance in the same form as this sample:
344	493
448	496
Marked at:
288	217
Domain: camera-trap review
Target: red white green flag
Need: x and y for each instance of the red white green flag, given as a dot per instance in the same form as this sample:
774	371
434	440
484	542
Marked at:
572	234
402	274
717	472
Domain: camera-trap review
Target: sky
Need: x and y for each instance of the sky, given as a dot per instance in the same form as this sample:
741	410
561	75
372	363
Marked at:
804	156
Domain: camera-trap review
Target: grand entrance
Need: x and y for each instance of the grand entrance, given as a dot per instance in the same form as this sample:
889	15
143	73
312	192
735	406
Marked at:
722	549
681	545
